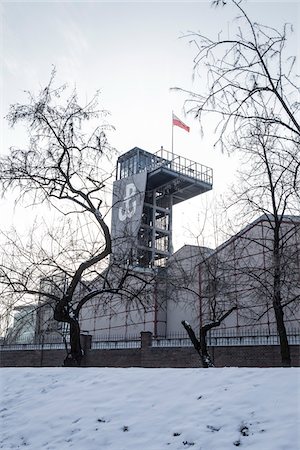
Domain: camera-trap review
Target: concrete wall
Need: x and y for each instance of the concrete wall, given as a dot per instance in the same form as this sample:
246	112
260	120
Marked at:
110	315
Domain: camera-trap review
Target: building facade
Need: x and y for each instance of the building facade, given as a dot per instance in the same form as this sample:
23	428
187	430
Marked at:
241	273
147	287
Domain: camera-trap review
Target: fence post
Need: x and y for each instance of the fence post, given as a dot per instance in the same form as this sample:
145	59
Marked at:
146	339
42	350
86	342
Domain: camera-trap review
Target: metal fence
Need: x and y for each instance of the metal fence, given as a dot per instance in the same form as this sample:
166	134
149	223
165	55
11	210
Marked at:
221	337
230	337
11	347
252	337
116	342
46	342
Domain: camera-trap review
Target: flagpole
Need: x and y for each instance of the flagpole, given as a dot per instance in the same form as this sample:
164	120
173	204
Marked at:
172	146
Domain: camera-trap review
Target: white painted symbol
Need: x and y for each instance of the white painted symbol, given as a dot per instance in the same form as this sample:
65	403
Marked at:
128	208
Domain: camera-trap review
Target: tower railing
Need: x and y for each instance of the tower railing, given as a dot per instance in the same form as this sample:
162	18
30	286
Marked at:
182	165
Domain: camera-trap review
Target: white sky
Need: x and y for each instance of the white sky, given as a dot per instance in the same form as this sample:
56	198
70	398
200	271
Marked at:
131	51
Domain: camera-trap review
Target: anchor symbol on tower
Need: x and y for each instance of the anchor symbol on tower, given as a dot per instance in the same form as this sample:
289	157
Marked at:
128	207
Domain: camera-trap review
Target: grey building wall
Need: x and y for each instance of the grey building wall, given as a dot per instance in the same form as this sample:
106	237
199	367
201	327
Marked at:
199	284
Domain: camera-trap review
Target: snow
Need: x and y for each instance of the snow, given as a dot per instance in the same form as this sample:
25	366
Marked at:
149	409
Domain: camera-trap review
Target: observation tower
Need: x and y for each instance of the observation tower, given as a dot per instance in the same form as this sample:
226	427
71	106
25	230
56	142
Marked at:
147	187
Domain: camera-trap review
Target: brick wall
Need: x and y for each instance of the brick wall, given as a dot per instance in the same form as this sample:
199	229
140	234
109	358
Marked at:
32	358
169	357
113	358
252	356
239	356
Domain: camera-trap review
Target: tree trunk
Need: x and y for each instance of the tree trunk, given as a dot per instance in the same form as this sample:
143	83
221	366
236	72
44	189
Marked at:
277	304
283	340
75	354
61	314
199	346
205	356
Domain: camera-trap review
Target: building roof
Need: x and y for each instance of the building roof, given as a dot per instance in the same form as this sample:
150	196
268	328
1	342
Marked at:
263	218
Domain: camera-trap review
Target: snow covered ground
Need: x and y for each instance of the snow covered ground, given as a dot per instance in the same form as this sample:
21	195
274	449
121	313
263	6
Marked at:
149	409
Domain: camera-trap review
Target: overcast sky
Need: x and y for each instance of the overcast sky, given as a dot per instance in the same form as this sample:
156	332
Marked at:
133	53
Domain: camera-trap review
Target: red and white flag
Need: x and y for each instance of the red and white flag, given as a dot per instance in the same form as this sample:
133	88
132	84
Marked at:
180	124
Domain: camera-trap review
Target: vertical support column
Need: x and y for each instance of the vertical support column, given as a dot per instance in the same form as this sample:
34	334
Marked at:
153	227
170	246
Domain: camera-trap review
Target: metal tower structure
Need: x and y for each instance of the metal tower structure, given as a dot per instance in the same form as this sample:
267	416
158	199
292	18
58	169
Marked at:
147	187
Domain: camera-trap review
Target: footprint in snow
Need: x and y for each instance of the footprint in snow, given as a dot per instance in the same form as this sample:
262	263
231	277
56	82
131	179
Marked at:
212	428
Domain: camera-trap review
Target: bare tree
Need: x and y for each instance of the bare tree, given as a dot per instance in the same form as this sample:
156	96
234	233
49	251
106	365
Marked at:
65	167
198	298
201	344
249	77
243	275
268	186
252	94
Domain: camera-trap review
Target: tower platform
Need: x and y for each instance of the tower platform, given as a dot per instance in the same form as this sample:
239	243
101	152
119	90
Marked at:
167	172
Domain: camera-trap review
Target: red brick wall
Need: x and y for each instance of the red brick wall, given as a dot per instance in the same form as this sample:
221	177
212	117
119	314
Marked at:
32	358
252	356
239	356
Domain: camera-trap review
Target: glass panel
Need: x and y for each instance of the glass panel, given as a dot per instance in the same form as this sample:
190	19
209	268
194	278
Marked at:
162	220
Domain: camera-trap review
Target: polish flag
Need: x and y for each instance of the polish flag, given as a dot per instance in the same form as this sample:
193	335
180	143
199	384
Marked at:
180	124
